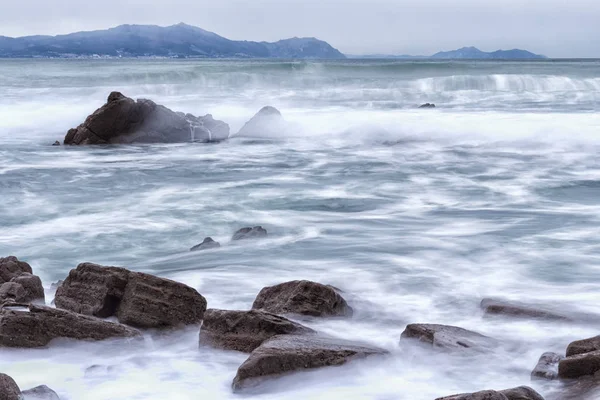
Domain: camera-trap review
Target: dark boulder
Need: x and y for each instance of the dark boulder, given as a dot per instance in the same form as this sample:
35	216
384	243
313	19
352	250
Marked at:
137	299
500	307
303	298
520	393
547	367
123	120
288	353
32	286
268	122
579	365
36	326
245	330
427	105
42	392
583	346
250	233
207	243
447	337
9	390
56	143
12	292
11	267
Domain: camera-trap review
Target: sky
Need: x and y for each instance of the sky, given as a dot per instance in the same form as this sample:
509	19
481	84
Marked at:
556	28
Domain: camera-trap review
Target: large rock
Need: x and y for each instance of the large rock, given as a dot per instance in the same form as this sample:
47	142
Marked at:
123	120
583	346
137	299
500	307
579	365
268	122
9	390
245	330
32	286
287	353
547	367
17	283
36	326
256	232
207	243
447	337
520	393
42	392
11	267
303	298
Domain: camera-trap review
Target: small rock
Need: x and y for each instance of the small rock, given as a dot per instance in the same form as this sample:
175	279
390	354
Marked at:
245	330
303	298
9	390
11	267
250	233
57	143
38	325
42	392
583	346
268	122
208	243
498	307
448	337
579	365
427	105
547	367
520	393
288	353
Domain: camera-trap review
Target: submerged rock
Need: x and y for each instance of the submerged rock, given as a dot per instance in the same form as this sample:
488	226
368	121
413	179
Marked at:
303	298
427	105
9	390
447	337
123	120
520	393
36	326
250	233
288	353
42	392
207	243
547	367
245	330
579	365
500	307
268	122
135	298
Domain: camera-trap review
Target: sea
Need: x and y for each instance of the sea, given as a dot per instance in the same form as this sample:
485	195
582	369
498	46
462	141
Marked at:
416	215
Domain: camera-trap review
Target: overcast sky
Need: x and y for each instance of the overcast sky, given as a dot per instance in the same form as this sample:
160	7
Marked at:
556	28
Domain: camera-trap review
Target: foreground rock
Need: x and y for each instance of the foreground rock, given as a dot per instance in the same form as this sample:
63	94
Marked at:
583	346
499	307
17	283
288	353
520	393
36	326
579	365
245	330
11	267
207	243
40	393
8	388
447	337
268	122
250	233
303	298
547	367
135	298
123	120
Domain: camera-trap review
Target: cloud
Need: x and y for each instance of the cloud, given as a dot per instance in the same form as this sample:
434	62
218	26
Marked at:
552	27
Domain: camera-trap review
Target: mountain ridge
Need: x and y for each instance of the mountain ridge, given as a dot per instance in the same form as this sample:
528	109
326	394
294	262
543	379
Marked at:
467	53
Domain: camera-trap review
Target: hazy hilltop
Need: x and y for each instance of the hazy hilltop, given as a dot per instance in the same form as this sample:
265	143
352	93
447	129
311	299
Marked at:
179	40
467	53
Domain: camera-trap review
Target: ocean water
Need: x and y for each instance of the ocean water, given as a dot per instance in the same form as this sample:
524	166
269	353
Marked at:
415	214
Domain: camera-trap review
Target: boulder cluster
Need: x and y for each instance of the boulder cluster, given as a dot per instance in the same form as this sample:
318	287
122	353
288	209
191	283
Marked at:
269	332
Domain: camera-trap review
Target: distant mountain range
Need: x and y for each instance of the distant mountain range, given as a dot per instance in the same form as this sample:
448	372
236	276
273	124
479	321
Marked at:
177	41
466	53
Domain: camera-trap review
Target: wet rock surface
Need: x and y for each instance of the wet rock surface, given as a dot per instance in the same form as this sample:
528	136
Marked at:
245	330
520	393
547	367
511	309
36	326
583	346
256	232
447	337
207	243
42	392
9	390
288	353
579	365
123	120
302	298
135	298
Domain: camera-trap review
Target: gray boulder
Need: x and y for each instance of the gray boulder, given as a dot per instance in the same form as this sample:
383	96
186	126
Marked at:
135	298
11	267
447	337
9	390
583	346
579	365
268	122
500	307
42	392
288	353
302	298
520	393
17	283
36	326
123	120
245	330
547	367
250	233
207	243
32	286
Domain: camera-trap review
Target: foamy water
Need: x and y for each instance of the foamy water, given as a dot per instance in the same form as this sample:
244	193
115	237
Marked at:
416	214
